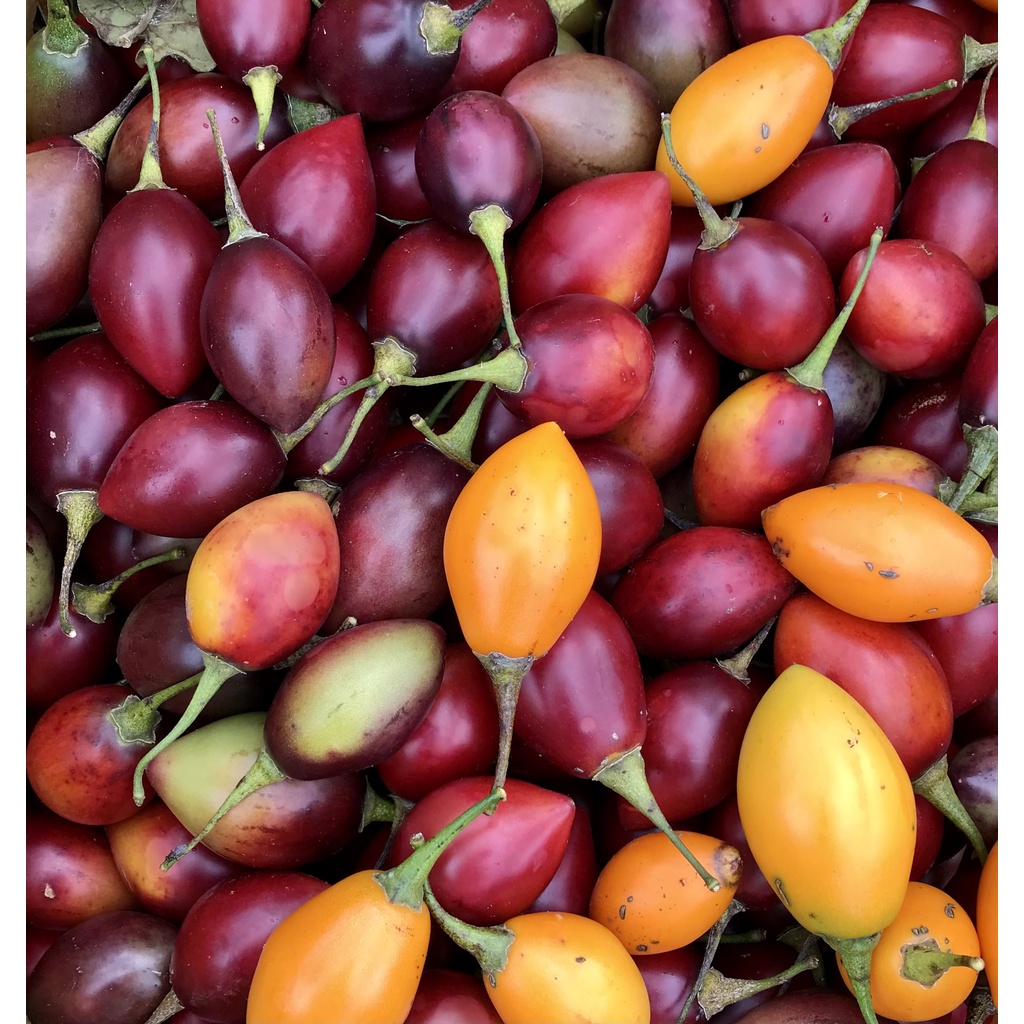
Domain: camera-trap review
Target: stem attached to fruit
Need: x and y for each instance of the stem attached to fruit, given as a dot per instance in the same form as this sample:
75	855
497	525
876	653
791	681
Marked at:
262	82
506	676
239	226
82	512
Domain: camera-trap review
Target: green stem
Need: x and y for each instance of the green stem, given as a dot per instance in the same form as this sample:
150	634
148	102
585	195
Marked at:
714	938
840	118
441	28
155	700
626	775
990	592
979	125
95	601
215	673
262	83
935	786
239	226
829	41
925	964
982	457
717	230
289	441
98	138
717	991
457	441
263	772
62	35
66	332
135	721
82	512
810	372
738	665
149	173
303	114
856	957
488	944
507	371
977	56
506	675
406	884
489	225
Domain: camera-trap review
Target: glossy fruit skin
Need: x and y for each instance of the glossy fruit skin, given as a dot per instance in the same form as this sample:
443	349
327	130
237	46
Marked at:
827	807
268	330
332	228
522	544
652	902
567	967
63	213
930	919
190	465
147	271
987	919
348	946
870	550
701	593
715	118
274	560
243	35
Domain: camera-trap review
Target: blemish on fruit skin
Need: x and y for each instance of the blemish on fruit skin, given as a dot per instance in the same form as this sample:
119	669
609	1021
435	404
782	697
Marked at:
622	912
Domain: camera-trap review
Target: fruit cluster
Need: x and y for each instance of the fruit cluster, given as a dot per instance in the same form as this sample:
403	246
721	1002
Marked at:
512	507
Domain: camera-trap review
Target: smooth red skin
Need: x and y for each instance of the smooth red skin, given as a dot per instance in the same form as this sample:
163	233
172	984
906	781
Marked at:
590	362
754	890
139	845
967	647
120	959
353	361
884	666
190	465
669	978
63	213
268	331
697	714
684	390
979	386
630	503
458	737
147	272
965	14
155	650
974	772
931	830
368	57
920	310
924	416
953	122
952	200
391	147
701	593
70	873
222	935
808	1006
434	290
499	42
881	462
77	764
37	942
331	228
835	197
583	703
672	292
498	864
898	49
760	19
765	297
82	403
241	35
856	390
777	444
605	236
188	156
446	996
669	43
68	94
476	149
390	523
570	888
56	664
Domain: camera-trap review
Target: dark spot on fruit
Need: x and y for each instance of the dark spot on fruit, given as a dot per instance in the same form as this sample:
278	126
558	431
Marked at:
581	959
888	574
871	566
